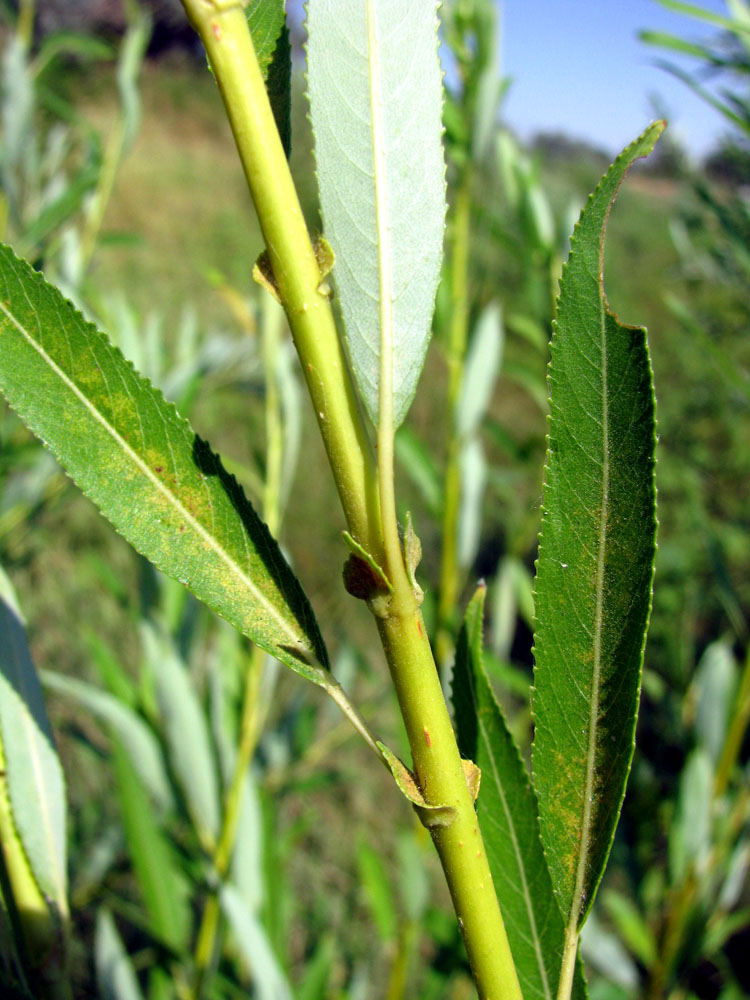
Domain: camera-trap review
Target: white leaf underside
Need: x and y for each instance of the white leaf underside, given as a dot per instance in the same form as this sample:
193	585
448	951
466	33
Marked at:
376	105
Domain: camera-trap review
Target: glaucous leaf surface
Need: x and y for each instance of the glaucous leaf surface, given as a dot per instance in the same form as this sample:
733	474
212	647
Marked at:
375	90
32	771
596	556
159	484
507	812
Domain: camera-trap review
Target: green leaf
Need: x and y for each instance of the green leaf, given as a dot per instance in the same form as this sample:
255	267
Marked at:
32	770
595	567
267	22
713	690
159	484
419	465
376	889
473	472
135	736
374	80
191	756
115	974
481	369
507	812
163	888
253	945
690	831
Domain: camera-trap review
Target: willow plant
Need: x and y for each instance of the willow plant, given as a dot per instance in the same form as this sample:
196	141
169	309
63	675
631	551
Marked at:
524	856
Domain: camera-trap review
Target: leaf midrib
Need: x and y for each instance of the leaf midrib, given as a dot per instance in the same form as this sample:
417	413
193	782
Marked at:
377	132
588	797
143	468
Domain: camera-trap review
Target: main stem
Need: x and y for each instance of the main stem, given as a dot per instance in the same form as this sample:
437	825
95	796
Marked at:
223	30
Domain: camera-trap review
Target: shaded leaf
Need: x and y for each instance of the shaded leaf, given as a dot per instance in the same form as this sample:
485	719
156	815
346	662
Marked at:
595	567
374	77
419	465
161	883
185	732
376	888
141	463
32	770
507	812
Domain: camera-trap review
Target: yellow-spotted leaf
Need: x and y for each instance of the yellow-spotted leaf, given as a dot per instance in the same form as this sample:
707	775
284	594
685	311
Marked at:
158	483
595	567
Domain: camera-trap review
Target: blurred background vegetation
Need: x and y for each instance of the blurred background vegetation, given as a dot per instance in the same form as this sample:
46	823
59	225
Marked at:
120	180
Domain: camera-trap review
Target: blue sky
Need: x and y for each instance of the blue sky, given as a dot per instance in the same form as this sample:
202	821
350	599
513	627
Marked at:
578	66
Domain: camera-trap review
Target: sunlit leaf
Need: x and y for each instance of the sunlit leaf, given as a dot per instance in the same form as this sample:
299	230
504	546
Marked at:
596	555
191	756
147	471
253	944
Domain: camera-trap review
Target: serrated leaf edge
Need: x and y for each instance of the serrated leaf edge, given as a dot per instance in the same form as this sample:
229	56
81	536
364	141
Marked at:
574	919
301	649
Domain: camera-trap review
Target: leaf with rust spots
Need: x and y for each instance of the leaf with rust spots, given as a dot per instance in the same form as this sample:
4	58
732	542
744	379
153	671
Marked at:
596	559
158	483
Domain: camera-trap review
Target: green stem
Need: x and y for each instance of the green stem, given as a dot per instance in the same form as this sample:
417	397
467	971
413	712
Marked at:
449	581
249	732
441	779
393	556
223	30
221	25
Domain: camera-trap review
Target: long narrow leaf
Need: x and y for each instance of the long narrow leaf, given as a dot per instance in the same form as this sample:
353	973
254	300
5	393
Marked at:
115	974
252	941
141	463
374	80
137	739
596	557
507	812
185	732
161	883
32	770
